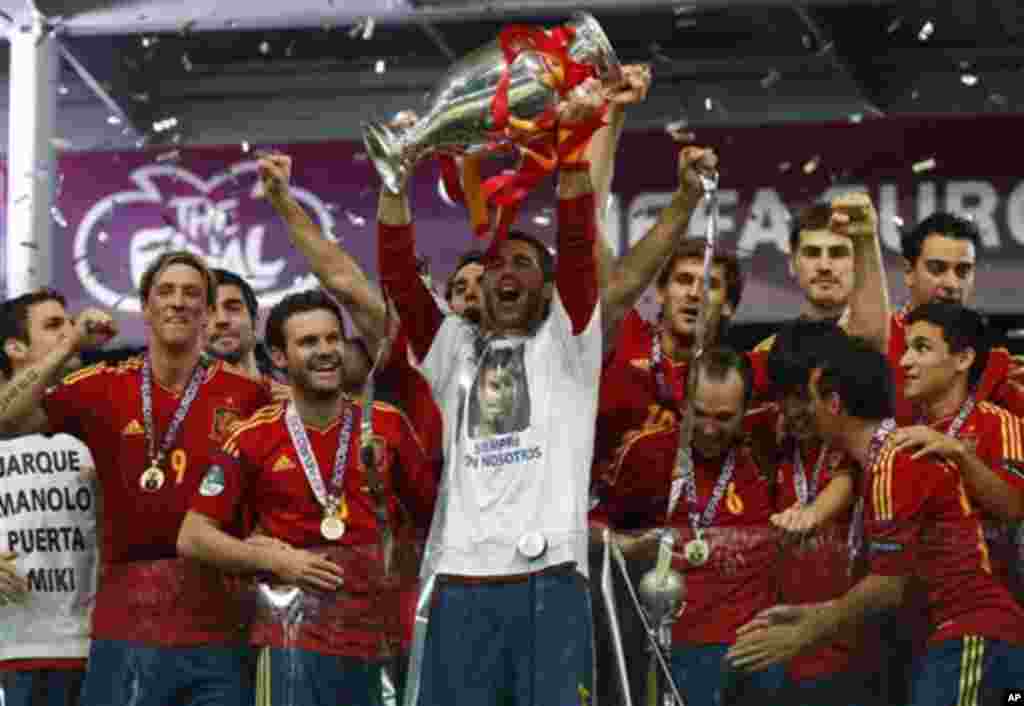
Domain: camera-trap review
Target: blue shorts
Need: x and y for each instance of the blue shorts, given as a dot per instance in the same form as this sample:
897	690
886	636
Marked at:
704	677
968	671
41	687
842	689
522	643
122	672
303	678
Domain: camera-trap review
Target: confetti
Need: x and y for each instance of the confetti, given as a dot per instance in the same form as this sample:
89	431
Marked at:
245	147
542	220
998	99
856	118
894	25
186	62
264	48
380	66
969	79
771	79
148	42
289	50
62	90
140	97
114	119
926	31
169	156
811	165
897	221
925	165
708	104
807	40
371	24
355	219
785	167
103	236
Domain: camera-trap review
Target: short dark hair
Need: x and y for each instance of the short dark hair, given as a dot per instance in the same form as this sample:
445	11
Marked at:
798	348
226	278
177	257
14	315
859	374
817	216
716	363
544	256
962	328
470	257
693	249
940	223
298	303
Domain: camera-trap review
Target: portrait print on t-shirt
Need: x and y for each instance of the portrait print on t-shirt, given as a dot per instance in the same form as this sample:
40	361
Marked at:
499	401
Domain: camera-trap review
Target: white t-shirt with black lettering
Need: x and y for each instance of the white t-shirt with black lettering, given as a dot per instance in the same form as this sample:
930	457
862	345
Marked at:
48	517
519	416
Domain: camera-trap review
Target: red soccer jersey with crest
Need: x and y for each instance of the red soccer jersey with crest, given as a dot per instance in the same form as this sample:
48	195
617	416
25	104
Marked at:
263	476
995	385
147	594
818	568
920	523
630	407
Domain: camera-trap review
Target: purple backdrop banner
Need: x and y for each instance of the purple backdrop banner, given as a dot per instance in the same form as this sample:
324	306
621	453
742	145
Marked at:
123	208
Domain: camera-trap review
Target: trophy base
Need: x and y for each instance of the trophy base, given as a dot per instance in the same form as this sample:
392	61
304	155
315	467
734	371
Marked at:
382	148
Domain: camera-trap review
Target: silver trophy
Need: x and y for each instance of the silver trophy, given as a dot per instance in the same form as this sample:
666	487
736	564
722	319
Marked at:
662	592
458	113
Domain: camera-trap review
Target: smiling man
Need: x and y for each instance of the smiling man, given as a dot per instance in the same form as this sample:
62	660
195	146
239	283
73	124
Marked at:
164	630
940	265
920	525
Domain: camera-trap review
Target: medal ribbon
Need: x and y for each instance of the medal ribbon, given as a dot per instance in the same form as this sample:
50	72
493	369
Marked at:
187	399
800	476
961	416
669	391
330	497
699	521
856	537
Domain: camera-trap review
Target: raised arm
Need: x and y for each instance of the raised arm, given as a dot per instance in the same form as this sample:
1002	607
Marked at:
396	259
868	315
336	269
21	399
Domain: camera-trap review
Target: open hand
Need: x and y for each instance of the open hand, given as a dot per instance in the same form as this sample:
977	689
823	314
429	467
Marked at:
927	441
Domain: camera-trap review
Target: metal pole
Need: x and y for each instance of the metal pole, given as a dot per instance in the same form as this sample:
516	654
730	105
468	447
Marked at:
31	164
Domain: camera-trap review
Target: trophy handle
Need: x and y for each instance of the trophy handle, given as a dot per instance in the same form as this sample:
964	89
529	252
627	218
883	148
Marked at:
595	49
382	146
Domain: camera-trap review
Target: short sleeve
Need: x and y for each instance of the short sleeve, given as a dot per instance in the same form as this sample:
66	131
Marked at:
82	395
223	486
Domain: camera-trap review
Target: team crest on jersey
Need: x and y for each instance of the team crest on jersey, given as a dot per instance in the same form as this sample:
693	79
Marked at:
224	420
213	482
132	428
283	463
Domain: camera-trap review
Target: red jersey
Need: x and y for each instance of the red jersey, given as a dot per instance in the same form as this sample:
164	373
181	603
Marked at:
919	523
631	405
263	475
411	393
995	385
997	437
817	568
146	594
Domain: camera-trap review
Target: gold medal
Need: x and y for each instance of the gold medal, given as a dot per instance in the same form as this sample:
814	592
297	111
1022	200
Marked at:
697	552
332	529
152	479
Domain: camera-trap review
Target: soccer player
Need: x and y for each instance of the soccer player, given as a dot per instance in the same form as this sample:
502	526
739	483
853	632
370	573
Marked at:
462	290
814	495
726	546
939	257
47	528
513	528
298	469
919	524
164	629
947	350
836	259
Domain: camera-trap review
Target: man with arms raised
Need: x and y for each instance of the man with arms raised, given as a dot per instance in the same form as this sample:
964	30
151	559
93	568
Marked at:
164	630
299	469
47	547
939	257
919	524
836	260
